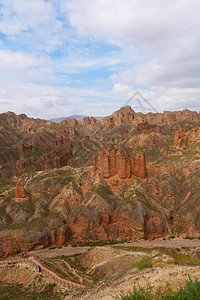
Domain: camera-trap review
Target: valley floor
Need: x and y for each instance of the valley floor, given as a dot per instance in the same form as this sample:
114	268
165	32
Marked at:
113	268
171	243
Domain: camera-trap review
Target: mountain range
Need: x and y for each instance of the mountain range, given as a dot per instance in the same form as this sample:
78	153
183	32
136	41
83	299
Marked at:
126	176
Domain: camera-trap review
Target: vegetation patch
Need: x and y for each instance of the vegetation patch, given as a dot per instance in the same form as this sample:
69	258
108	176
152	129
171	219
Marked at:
95	243
191	291
135	249
145	262
17	292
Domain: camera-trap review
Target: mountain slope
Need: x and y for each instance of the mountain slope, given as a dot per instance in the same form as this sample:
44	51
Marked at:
127	176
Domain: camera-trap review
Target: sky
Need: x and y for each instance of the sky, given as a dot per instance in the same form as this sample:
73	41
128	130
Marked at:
65	57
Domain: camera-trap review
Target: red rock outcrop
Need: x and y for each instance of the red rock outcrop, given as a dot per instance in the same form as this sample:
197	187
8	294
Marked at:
61	142
126	115
179	138
145	126
115	161
86	138
183	138
69	121
23	165
123	116
60	236
156	171
105	224
172	117
20	194
56	159
72	131
23	149
90	121
16	241
154	226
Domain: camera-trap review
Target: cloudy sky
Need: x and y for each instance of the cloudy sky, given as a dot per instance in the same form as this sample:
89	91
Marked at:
64	57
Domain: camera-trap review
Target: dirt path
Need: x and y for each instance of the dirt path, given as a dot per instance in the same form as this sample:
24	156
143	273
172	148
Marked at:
58	252
173	243
37	263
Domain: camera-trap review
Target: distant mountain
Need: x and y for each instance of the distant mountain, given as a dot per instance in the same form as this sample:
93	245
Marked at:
77	117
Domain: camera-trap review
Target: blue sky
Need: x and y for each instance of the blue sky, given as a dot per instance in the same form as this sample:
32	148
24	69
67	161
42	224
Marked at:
64	57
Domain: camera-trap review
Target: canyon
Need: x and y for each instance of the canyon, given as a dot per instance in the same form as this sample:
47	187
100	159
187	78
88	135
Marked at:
127	176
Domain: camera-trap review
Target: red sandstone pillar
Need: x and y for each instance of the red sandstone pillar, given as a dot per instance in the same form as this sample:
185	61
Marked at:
106	166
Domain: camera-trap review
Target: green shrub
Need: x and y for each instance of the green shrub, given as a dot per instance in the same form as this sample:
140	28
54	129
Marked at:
145	262
191	291
185	259
172	237
189	237
137	294
91	243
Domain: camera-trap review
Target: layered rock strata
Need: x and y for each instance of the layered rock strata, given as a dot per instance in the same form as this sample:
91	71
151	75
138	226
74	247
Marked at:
109	162
20	194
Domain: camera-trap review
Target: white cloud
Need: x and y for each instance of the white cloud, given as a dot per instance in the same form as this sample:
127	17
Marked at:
18	60
157	52
121	88
141	22
21	15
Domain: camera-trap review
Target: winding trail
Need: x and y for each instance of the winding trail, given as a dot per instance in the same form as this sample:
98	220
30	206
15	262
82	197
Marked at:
53	275
7	191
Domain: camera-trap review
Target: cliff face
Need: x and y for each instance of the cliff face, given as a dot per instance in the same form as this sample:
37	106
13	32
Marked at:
20	194
115	161
126	115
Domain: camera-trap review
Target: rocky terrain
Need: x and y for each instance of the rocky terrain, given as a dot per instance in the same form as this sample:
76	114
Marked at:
25	278
127	176
107	271
123	282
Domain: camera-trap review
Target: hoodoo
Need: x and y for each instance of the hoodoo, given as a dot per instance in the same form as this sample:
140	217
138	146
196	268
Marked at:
109	162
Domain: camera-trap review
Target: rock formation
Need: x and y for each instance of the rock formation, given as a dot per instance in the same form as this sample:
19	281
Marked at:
110	202
179	138
61	142
126	115
56	159
20	194
123	116
90	121
23	149
110	162
69	121
145	126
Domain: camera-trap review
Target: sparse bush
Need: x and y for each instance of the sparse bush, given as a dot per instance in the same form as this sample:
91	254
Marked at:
145	262
185	259
191	291
189	237
91	243
172	237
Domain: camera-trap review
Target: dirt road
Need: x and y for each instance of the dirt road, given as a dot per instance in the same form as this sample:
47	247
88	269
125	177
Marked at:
173	243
